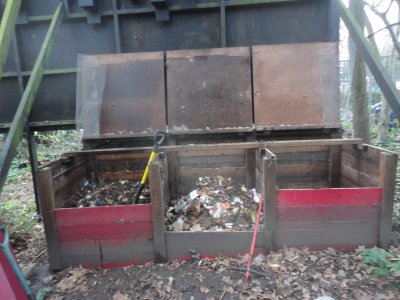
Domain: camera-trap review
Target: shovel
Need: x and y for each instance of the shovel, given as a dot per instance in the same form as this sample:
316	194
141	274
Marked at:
159	138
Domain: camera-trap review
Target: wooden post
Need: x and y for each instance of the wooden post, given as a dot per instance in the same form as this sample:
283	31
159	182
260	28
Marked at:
46	198
269	194
250	168
172	168
387	181
335	164
159	194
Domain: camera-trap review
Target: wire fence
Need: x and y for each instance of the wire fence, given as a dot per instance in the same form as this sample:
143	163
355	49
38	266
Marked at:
392	65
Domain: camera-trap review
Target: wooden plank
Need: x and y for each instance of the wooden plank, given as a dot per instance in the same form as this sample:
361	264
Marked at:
210	244
329	234
66	186
172	158
159	195
128	175
335	163
199	172
303	183
326	213
360	178
213	161
302	158
116	229
122	156
347	183
210	152
330	197
269	194
310	100
137	164
103	214
360	164
195	99
46	198
317	168
219	146
250	168
298	149
387	180
367	152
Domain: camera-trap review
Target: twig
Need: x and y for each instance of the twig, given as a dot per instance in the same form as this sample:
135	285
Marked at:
259	274
39	255
222	296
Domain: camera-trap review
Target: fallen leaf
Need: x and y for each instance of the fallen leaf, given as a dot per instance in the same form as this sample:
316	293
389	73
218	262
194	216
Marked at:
119	296
204	290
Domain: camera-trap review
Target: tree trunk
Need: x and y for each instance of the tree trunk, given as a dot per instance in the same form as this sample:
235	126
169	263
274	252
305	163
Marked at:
359	83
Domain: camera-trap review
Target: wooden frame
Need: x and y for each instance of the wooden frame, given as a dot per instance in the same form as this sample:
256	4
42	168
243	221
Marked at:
329	215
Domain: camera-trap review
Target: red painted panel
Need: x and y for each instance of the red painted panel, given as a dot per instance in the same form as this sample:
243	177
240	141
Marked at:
328	213
103	214
10	288
331	197
112	230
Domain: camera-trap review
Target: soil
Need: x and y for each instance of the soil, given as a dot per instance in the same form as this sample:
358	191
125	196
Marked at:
121	192
215	204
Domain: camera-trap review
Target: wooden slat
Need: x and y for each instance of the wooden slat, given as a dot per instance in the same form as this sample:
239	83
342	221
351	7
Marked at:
361	164
225	172
303	169
122	156
103	214
269	195
328	234
212	161
66	186
326	213
387	180
332	197
303	183
220	146
223	152
302	157
46	198
360	178
250	168
116	229
298	149
210	243
159	194
129	175
335	163
135	165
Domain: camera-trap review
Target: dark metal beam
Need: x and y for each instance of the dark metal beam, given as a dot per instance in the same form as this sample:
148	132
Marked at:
372	58
7	27
223	23
25	105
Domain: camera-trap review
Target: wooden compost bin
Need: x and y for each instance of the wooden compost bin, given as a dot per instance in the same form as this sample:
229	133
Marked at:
317	193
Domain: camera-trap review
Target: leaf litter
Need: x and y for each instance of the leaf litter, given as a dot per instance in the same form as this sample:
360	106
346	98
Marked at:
289	273
216	204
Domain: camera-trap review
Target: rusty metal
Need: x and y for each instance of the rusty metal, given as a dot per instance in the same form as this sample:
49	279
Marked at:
209	89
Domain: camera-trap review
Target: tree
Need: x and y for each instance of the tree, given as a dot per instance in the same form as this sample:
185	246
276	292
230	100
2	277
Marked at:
358	82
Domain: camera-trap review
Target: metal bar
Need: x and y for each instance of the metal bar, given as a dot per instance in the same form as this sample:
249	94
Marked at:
30	136
223	23
116	27
371	58
38	125
18	65
148	10
25	105
7	27
45	72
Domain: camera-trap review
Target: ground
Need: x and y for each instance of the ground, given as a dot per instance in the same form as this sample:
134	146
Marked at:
287	274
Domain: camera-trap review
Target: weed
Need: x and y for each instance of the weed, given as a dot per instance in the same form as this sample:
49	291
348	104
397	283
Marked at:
385	262
19	217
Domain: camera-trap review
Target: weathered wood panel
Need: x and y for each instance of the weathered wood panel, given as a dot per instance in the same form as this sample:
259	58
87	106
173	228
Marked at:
105	236
209	89
332	197
210	243
123	83
302	78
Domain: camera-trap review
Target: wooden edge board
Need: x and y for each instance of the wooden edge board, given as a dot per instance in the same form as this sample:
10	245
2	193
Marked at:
204	147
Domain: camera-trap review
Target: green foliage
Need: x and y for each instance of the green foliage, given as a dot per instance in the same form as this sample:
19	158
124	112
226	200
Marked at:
19	217
52	144
385	262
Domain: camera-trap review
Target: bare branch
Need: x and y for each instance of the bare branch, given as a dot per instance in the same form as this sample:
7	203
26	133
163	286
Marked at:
383	28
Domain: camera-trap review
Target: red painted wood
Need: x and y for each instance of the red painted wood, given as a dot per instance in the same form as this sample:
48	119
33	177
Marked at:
112	230
330	197
103	214
10	288
328	213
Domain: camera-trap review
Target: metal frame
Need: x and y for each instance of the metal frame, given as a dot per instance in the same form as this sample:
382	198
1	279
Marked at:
25	105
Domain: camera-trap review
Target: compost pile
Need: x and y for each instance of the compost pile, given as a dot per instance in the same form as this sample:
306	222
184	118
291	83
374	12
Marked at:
217	204
121	192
